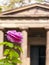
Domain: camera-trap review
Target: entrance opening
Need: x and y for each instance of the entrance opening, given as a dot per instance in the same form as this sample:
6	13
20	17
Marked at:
37	55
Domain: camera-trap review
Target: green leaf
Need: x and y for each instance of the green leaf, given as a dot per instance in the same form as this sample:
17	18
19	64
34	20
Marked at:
16	60
9	44
1	61
13	54
6	52
2	43
19	48
16	54
7	63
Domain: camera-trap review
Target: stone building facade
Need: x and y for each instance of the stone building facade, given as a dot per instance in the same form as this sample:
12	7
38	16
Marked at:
33	22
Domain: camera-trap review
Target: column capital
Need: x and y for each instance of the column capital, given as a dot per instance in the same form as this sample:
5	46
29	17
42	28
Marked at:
47	28
24	28
1	28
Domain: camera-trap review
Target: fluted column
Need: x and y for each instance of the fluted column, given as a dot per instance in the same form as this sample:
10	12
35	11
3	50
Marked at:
47	48
1	40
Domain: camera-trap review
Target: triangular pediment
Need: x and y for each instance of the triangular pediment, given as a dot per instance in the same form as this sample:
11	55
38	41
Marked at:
29	11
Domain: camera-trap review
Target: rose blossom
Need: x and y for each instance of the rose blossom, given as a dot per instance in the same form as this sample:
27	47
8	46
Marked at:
14	36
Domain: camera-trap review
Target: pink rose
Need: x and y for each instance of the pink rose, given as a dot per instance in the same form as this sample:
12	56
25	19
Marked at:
14	36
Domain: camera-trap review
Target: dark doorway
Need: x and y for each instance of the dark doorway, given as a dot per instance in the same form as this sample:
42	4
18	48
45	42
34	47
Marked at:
37	55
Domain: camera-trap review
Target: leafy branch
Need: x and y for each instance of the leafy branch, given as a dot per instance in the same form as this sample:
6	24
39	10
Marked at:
12	56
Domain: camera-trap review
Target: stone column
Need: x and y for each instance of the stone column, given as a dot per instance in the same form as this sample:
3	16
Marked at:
47	48
24	45
1	40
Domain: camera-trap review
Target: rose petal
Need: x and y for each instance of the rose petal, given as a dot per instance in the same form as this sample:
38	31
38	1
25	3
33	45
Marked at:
14	36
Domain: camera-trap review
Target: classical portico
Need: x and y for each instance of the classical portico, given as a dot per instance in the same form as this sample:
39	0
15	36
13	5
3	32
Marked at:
33	22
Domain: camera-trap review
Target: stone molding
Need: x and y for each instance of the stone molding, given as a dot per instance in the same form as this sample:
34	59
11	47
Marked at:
47	28
1	28
23	28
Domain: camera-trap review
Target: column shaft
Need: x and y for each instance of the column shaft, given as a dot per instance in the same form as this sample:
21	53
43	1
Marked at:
47	49
1	40
24	47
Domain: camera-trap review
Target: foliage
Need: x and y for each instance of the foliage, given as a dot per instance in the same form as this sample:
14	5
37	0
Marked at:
12	57
40	0
0	9
11	5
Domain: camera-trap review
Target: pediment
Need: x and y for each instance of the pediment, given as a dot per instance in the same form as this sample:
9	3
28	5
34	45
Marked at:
29	11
